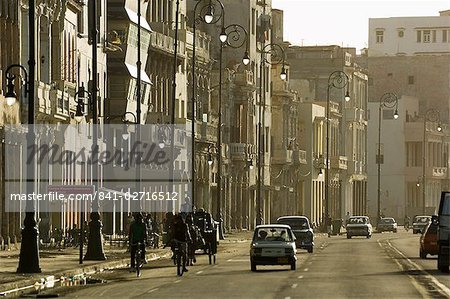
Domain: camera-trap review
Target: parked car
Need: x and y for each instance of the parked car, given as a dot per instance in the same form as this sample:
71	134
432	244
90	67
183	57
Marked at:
420	223
302	230
359	226
273	244
443	222
387	224
428	241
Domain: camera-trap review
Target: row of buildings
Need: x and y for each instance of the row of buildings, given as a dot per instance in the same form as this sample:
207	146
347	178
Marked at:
279	125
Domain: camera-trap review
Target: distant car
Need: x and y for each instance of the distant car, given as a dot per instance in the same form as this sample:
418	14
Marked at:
359	226
428	241
387	224
273	244
420	223
302	230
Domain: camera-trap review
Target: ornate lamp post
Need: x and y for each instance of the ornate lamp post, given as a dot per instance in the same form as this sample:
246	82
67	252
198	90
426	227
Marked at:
233	36
209	12
29	250
95	245
277	57
389	101
432	115
339	80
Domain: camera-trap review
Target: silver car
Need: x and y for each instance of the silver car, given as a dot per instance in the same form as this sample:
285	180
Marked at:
359	226
273	244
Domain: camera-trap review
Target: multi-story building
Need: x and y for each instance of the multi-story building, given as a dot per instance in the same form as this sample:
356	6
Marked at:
310	72
409	56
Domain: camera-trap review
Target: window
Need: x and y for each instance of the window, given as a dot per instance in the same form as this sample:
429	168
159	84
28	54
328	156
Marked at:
401	33
410	80
445	35
380	36
426	36
419	36
433	36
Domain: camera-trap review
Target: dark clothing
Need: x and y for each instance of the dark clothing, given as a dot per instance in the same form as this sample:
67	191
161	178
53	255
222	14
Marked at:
181	232
138	233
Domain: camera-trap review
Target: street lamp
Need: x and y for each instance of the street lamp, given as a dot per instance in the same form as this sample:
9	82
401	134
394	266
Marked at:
207	13
339	80
29	250
126	122
95	250
432	115
233	36
277	57
390	101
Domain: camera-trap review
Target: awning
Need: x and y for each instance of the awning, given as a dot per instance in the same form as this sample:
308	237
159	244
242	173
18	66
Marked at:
134	18
132	69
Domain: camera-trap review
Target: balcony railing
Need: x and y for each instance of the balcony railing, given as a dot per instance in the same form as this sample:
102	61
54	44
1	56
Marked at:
244	78
437	172
355	167
205	132
237	151
338	162
165	43
354	115
282	156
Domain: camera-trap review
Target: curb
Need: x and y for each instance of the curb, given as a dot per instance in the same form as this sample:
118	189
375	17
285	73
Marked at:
49	280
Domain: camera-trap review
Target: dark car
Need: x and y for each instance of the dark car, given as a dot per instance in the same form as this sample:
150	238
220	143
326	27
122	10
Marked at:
302	230
387	224
420	223
443	222
428	241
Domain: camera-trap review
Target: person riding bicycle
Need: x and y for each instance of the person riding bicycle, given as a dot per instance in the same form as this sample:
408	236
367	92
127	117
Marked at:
180	233
137	234
407	221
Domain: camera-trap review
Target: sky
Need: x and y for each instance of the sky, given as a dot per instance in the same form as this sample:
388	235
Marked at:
345	23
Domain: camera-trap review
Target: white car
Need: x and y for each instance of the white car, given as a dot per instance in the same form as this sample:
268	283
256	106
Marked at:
359	226
273	244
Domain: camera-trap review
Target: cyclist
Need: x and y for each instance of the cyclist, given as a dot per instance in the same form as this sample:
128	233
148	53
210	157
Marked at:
406	222
137	234
180	232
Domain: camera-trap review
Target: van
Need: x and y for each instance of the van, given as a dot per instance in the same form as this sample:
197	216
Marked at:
443	221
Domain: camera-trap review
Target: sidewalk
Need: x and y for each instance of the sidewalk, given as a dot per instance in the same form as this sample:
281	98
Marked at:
64	264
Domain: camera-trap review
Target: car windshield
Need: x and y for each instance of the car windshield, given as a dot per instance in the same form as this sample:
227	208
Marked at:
272	234
387	220
421	219
445	209
357	220
295	223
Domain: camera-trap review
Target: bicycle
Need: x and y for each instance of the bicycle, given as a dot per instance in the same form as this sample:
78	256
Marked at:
138	262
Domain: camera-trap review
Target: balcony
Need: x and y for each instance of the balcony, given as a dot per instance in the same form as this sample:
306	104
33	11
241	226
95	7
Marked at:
355	167
244	78
164	43
59	104
205	132
354	115
437	172
338	162
282	156
237	151
299	157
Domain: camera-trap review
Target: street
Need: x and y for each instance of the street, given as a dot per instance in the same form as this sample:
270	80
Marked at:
385	266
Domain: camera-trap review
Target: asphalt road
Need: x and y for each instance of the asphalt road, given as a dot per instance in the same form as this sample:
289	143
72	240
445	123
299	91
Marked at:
339	268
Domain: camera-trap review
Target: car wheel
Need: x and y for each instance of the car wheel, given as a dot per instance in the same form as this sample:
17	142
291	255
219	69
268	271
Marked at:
369	236
310	249
423	255
414	232
444	268
349	236
293	265
252	266
395	230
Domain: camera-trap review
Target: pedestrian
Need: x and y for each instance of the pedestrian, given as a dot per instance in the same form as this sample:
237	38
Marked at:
137	234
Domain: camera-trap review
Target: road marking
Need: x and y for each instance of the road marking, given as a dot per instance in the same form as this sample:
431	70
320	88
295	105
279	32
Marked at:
199	272
300	277
234	260
294	285
153	290
441	287
306	269
177	281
